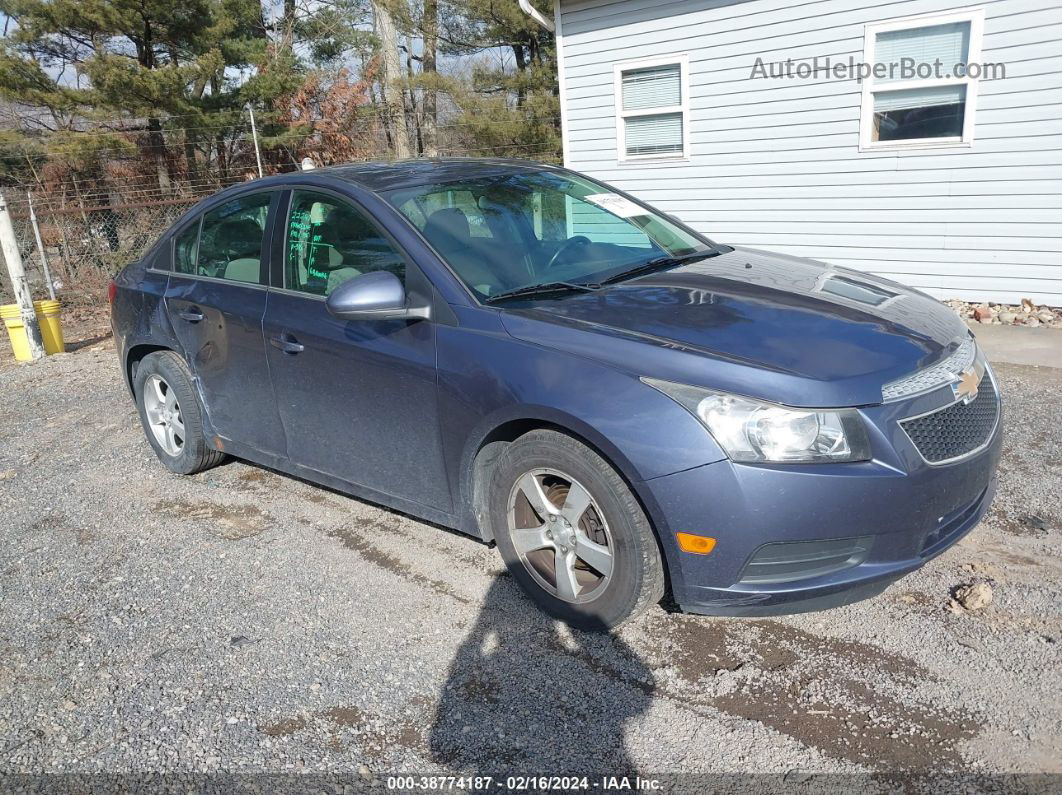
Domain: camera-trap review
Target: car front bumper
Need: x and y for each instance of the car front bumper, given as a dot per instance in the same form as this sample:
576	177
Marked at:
902	510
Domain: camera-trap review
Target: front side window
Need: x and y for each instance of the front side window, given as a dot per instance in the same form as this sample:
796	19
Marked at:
522	229
330	241
920	91
230	240
651	106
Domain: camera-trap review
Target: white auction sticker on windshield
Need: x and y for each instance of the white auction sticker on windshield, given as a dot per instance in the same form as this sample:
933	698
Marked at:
616	204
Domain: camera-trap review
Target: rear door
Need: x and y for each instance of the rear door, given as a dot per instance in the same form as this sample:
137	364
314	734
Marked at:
358	397
216	299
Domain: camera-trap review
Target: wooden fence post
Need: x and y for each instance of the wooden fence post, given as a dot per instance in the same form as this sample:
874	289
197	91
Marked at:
23	296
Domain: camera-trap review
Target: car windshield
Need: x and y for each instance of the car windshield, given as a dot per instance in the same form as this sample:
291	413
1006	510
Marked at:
506	232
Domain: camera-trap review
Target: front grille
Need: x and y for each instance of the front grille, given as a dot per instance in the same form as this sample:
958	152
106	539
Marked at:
957	430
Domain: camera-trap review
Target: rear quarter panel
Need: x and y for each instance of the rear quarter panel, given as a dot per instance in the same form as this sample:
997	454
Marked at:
138	312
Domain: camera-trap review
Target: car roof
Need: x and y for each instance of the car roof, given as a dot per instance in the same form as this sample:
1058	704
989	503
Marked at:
385	176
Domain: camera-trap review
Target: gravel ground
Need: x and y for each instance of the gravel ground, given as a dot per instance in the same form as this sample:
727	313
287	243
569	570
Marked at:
244	621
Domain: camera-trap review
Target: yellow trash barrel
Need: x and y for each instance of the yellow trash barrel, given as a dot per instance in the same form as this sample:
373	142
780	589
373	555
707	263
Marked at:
47	318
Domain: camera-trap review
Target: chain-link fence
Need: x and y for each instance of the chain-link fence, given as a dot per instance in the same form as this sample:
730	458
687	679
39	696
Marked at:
83	243
94	220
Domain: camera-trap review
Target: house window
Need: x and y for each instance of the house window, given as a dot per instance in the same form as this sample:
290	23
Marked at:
652	102
919	94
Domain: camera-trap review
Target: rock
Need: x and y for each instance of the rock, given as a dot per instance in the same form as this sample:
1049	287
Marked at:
983	314
1046	317
1007	318
1032	322
974	597
7	474
364	772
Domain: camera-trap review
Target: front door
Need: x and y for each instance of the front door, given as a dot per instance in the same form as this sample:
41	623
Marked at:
357	398
216	299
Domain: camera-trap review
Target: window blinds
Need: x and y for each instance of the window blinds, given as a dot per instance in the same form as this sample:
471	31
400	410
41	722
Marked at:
657	134
950	43
653	87
885	101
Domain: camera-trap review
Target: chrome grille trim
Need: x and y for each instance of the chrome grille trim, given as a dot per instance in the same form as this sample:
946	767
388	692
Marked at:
934	377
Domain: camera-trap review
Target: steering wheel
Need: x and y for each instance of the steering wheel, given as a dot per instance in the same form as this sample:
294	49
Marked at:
571	242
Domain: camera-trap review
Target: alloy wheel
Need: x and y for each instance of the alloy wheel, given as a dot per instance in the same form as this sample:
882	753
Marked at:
560	535
164	415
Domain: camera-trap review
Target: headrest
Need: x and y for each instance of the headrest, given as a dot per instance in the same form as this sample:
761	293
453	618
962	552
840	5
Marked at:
451	222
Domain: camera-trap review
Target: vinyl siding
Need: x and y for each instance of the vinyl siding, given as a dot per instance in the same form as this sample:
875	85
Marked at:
776	164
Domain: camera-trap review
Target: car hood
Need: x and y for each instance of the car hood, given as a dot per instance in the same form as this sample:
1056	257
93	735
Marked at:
767	325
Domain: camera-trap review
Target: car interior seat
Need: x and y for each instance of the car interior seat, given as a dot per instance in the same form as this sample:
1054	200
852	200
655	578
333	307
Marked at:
449	232
241	239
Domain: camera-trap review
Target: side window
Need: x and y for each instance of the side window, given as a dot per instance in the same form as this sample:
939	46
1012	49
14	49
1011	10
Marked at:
230	243
330	242
185	246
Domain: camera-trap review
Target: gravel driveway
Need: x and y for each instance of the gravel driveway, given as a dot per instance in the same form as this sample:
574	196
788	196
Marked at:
240	620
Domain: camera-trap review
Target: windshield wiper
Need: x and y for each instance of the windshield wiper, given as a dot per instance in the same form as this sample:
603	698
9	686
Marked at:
542	289
658	264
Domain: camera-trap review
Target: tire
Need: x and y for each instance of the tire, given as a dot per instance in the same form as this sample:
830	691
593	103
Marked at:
566	472
165	399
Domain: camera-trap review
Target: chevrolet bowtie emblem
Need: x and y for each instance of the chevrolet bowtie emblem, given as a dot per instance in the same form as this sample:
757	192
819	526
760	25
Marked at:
965	389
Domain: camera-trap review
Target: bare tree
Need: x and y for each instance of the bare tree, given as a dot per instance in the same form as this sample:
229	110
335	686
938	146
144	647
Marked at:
390	77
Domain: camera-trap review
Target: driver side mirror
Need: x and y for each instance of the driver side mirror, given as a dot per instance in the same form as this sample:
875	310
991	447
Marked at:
374	296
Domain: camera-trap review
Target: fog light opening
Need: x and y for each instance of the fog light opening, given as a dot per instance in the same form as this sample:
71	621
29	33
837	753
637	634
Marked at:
695	545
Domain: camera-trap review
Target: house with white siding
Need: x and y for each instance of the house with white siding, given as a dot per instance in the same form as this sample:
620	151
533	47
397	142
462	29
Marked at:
794	127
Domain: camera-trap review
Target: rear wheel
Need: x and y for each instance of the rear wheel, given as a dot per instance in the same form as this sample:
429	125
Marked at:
170	414
572	533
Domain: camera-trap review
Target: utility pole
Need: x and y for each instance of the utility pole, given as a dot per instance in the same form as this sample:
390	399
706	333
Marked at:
40	246
254	137
23	296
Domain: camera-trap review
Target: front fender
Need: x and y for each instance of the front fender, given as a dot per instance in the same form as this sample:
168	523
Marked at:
488	380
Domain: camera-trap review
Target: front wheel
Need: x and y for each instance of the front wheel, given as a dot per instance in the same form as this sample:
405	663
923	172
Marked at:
572	533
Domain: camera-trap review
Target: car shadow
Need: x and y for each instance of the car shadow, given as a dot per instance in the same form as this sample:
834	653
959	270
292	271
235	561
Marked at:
526	695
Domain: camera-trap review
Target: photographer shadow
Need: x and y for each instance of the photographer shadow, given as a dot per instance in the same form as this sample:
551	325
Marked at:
526	695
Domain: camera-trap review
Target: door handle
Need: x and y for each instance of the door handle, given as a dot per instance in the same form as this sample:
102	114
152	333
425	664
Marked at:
287	344
192	315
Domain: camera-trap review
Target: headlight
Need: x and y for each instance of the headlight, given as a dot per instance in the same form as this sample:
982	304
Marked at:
754	431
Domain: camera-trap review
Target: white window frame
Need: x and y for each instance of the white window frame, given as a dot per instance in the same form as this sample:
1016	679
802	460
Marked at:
976	18
683	62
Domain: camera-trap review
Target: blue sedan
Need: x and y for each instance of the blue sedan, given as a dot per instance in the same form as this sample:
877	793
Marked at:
623	406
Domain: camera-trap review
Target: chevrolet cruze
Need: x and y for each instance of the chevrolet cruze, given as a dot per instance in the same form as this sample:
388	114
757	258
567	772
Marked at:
622	405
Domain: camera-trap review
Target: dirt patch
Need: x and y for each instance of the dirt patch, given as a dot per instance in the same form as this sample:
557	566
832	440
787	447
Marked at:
231	522
360	544
835	695
345	716
375	737
1028	524
255	476
917	599
283	727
